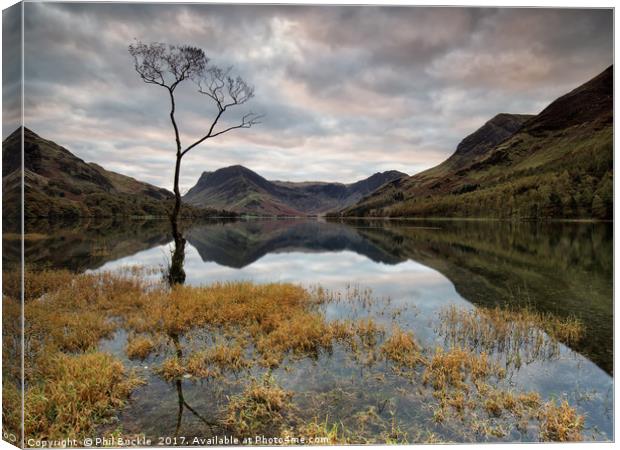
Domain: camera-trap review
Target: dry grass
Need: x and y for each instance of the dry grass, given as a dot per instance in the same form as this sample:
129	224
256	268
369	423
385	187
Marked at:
210	363
75	392
227	357
11	407
560	423
454	367
139	347
498	402
402	349
71	387
518	334
263	408
172	369
333	431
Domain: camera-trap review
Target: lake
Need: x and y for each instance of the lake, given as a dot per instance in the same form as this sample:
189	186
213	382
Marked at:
408	272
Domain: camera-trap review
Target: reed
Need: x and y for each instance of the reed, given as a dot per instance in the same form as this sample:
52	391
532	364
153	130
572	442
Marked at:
262	408
560	423
74	393
228	330
518	334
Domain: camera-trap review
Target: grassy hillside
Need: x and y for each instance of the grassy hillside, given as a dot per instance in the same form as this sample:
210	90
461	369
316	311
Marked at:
558	164
59	184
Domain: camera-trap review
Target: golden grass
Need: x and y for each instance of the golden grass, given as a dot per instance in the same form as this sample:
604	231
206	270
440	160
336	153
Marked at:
227	357
402	348
196	366
453	367
520	334
11	407
71	387
139	347
172	369
73	393
333	431
210	363
560	423
497	402
262	408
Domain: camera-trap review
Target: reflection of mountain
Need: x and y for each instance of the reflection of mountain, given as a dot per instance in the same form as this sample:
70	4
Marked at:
238	244
84	244
564	269
560	268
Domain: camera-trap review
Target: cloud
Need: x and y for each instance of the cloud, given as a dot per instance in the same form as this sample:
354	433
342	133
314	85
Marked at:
346	90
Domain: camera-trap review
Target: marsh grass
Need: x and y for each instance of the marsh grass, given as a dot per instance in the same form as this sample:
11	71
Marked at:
139	347
262	408
560	423
244	329
173	369
402	349
520	335
75	392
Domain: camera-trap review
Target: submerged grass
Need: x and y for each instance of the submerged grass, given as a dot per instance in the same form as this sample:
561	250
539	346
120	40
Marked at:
252	328
263	408
139	347
560	423
521	335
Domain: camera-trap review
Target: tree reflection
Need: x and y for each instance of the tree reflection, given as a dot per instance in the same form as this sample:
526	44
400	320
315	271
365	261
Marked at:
181	398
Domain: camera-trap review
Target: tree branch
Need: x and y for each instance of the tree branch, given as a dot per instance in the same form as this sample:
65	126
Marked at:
247	121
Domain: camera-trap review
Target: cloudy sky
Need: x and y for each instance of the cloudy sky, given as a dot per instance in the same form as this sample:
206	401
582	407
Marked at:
346	91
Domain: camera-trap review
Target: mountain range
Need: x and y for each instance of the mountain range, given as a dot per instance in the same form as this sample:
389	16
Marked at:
557	164
241	190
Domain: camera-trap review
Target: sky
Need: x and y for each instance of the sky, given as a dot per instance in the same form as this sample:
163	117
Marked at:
346	91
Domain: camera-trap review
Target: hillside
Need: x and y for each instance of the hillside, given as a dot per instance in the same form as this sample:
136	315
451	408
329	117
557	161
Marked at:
244	191
557	164
59	184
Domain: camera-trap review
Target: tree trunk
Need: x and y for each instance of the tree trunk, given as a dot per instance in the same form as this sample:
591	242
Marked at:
176	273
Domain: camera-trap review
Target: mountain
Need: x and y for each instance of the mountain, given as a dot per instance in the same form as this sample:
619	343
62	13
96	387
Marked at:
241	190
557	164
59	184
495	131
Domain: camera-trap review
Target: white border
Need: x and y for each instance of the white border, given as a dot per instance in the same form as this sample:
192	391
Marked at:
483	3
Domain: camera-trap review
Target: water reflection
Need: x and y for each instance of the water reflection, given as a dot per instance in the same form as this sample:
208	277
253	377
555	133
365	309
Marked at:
563	268
415	268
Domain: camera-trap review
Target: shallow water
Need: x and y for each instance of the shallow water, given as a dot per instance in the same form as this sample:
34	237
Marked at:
413	269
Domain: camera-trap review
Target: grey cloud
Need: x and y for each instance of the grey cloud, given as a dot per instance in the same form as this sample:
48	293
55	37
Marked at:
346	90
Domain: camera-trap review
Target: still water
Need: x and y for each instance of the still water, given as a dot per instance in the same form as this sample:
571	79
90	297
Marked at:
413	270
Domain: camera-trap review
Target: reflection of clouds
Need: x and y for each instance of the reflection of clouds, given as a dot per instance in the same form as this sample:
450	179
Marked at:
415	290
332	270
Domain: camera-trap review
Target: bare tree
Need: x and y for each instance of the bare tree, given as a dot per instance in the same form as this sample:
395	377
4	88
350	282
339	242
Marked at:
169	66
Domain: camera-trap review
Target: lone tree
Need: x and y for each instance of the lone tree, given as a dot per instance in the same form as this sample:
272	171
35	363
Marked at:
169	66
